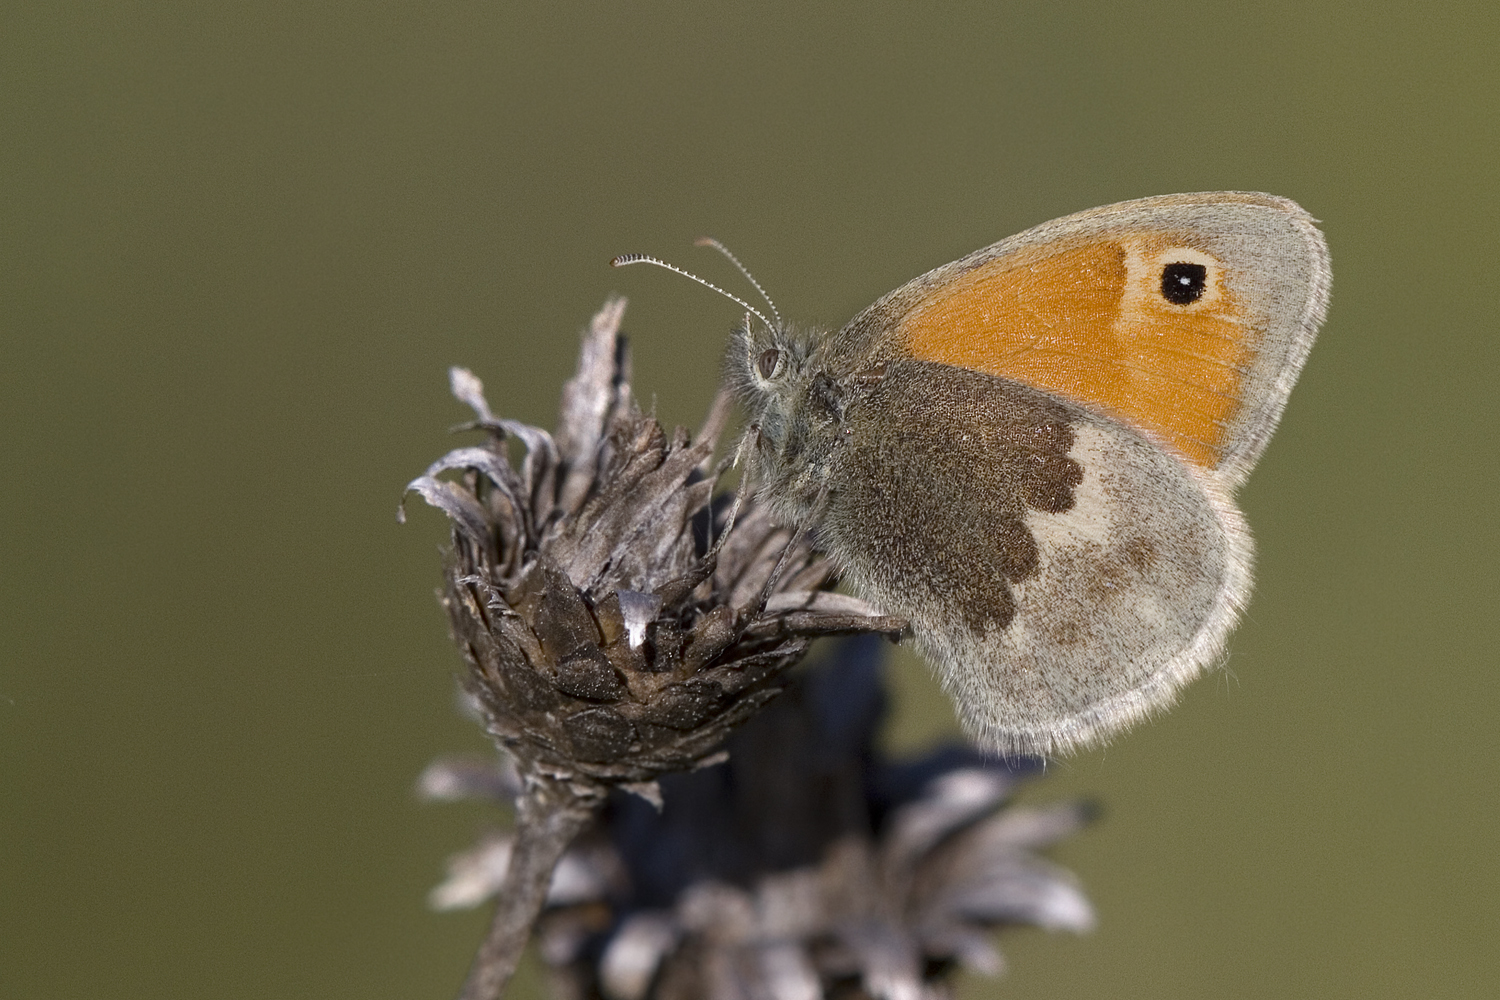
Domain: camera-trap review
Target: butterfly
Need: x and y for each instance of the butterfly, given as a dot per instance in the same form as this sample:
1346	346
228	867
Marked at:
1031	453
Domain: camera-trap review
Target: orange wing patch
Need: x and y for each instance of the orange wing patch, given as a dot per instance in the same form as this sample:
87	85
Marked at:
1091	323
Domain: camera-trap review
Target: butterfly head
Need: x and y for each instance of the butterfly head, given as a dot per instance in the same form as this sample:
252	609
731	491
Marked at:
794	407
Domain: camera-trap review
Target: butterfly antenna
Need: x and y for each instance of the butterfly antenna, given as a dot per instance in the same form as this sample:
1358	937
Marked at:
709	241
639	258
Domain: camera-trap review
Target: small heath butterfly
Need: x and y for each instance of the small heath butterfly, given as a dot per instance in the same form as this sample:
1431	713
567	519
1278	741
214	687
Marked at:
1030	453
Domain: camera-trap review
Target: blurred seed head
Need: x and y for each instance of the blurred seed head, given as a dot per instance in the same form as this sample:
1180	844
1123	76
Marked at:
808	865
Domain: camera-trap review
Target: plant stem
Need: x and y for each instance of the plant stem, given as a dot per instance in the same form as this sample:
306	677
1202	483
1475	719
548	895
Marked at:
549	814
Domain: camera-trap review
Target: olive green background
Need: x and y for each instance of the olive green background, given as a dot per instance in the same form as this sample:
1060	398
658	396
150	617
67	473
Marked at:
239	245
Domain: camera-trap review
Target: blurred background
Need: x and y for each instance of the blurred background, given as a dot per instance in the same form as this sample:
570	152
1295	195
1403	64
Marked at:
240	245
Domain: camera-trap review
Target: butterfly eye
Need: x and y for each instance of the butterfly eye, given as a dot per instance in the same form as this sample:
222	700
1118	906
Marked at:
769	363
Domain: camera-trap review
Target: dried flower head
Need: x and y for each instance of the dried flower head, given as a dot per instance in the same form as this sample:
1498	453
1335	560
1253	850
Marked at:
617	618
807	866
616	625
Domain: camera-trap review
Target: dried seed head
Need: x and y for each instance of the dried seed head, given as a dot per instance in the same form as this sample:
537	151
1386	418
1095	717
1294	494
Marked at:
616	624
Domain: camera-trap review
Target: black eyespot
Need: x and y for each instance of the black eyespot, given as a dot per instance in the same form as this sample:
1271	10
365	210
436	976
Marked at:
1182	284
767	362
